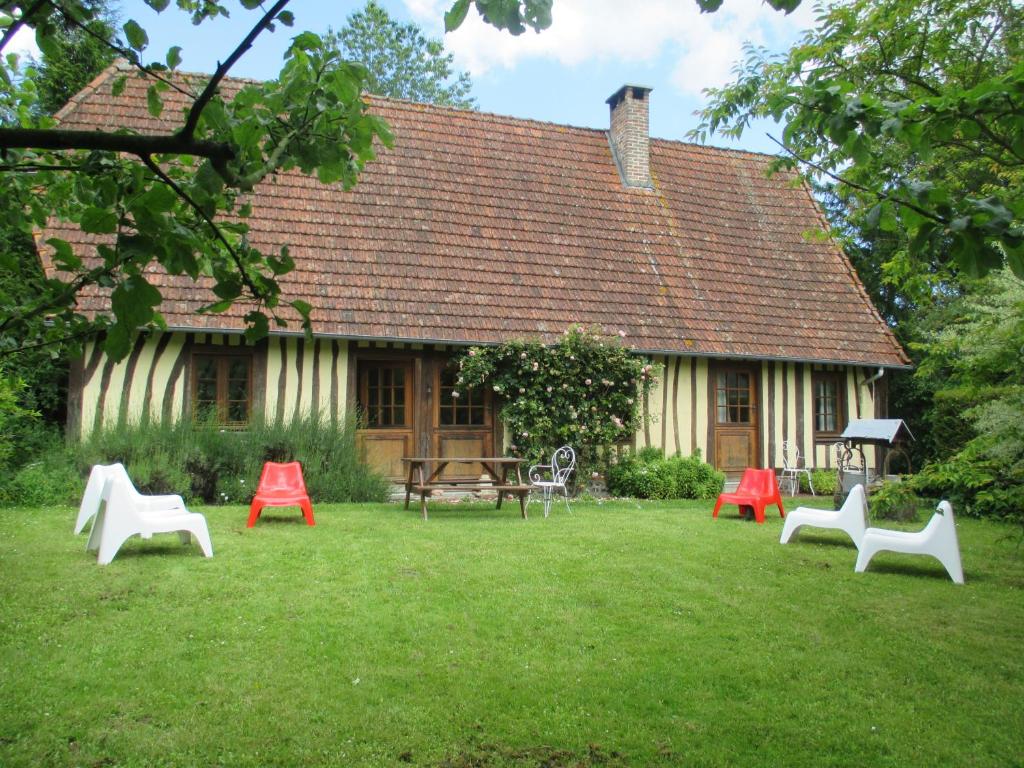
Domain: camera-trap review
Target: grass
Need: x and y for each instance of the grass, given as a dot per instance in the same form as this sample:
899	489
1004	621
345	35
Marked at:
624	635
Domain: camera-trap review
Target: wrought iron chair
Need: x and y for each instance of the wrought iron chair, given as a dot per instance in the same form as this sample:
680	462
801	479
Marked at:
552	477
791	471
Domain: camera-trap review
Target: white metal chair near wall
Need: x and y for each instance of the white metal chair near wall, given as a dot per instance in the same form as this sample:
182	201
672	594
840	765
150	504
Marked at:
552	477
121	518
792	469
937	539
852	518
97	489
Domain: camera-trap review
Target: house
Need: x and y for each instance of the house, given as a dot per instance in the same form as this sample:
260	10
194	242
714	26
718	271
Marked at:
476	228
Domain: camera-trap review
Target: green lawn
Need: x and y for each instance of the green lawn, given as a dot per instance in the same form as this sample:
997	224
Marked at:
625	635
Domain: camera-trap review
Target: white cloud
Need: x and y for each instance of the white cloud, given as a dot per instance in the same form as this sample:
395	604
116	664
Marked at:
704	47
23	43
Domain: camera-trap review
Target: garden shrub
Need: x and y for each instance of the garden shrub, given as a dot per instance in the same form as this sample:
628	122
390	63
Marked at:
826	481
894	501
695	478
51	478
208	464
647	474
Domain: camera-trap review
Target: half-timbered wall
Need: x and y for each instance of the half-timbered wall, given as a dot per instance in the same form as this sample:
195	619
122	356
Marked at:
292	376
679	408
289	377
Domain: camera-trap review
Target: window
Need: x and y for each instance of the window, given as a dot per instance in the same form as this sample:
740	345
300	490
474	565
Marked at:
829	405
382	394
733	398
465	410
222	387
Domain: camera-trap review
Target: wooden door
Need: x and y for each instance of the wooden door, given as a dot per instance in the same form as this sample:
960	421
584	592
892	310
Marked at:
462	425
387	400
734	404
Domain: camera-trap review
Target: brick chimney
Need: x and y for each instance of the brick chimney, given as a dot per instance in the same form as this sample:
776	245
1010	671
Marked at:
629	135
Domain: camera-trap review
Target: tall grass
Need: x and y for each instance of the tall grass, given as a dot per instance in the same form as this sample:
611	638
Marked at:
205	462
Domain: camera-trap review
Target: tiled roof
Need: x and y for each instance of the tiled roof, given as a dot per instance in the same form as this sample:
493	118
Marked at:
478	228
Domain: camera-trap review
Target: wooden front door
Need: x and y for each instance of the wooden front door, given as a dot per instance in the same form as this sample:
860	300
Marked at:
463	425
735	408
387	400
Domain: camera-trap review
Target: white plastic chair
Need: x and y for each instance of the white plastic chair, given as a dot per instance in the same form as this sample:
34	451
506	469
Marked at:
97	490
791	471
937	539
852	518
552	477
121	518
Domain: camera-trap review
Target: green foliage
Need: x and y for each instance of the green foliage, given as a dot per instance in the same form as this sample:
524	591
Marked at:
400	62
178	200
14	418
914	111
894	501
647	474
204	463
825	482
975	357
584	391
516	15
74	57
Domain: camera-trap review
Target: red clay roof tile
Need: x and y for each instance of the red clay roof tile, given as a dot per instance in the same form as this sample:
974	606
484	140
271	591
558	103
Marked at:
477	228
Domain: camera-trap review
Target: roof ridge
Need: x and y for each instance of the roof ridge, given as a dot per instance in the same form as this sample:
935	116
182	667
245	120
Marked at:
94	85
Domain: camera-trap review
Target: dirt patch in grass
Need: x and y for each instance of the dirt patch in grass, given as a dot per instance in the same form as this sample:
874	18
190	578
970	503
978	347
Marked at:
497	756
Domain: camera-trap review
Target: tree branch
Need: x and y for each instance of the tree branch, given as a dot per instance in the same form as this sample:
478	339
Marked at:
159	172
19	23
931	215
134	144
192	120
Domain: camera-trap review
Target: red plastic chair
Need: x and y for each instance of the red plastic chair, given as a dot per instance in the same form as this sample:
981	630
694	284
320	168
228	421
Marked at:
281	485
758	488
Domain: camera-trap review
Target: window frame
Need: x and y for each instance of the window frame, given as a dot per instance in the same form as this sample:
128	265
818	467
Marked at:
752	406
444	402
838	380
223	356
363	390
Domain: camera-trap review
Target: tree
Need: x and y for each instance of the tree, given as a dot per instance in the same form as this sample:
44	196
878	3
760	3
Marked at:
400	61
76	56
973	366
915	112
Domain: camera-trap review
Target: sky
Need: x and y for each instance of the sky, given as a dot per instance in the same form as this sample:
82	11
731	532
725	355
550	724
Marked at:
562	75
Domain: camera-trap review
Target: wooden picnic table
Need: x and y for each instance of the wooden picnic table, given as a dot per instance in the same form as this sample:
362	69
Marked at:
424	481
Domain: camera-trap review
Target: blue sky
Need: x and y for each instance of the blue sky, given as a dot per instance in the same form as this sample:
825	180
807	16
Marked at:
562	75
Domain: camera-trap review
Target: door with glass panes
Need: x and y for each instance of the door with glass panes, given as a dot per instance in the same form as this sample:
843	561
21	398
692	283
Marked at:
387	403
735	418
463	425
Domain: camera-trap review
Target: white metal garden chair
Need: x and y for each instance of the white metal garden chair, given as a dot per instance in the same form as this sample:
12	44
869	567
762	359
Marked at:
97	492
122	517
549	478
791	470
937	539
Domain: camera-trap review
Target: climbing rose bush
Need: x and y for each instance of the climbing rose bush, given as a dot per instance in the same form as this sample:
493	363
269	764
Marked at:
584	391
